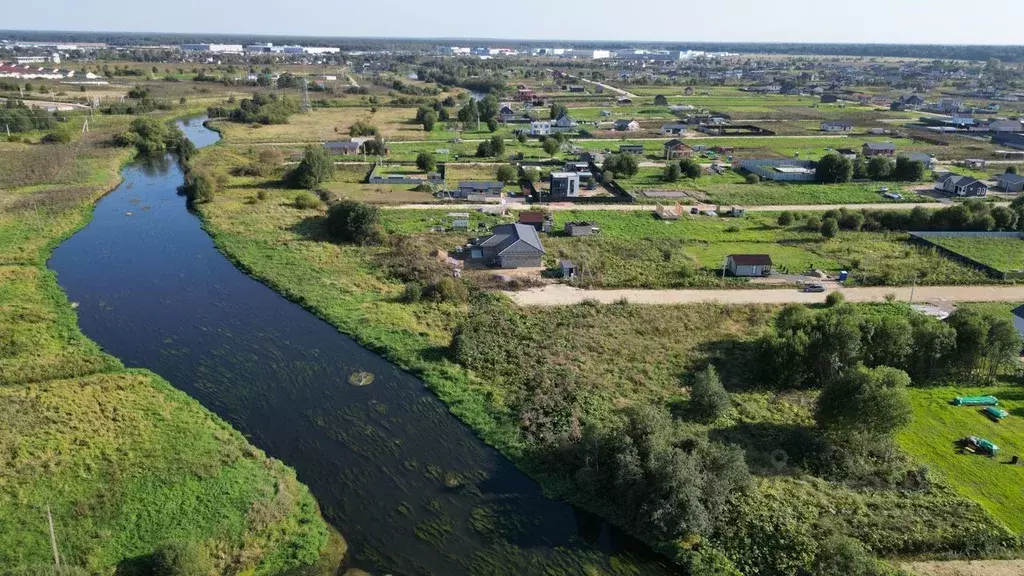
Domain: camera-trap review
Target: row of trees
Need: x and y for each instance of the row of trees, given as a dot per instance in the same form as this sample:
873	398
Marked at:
17	117
687	167
260	109
807	349
972	215
837	169
151	137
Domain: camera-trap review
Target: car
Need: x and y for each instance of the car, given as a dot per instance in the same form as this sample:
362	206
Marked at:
711	213
694	210
892	196
883	189
814	288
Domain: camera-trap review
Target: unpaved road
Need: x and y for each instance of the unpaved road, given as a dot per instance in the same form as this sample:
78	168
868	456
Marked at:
559	294
610	88
969	568
561	206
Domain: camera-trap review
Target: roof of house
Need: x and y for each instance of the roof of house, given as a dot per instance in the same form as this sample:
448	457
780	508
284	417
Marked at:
564	175
1010	178
342	145
751	259
624	122
506	235
959	180
841	123
880	146
532	217
674	126
675	142
920	157
481	185
846	151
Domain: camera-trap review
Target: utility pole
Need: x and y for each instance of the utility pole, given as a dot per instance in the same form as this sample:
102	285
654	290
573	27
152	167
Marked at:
53	538
305	96
912	288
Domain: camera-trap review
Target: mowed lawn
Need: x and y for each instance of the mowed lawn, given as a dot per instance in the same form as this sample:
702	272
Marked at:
991	482
1003	254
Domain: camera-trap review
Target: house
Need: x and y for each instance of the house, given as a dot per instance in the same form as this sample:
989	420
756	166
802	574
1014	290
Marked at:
829	99
848	153
343	147
509	246
631	149
576	229
627	125
1011	139
748	264
928	160
479	188
576	89
673	129
676	150
565	184
524	95
1005	126
624	101
961	185
911	101
1018	322
506	114
541	221
540	128
1011	182
879	149
836	126
564	124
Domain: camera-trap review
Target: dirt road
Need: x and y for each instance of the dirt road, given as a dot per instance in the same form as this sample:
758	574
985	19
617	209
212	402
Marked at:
969	568
562	206
559	294
611	88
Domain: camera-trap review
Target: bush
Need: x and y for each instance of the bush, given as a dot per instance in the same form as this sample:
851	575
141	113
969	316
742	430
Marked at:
507	174
351	221
305	201
199	187
708	398
362	128
425	161
413	292
844	556
551	146
181	558
834	169
59	136
753	179
691	168
448	290
315	168
786	218
262	194
672	173
622	164
834	299
829	227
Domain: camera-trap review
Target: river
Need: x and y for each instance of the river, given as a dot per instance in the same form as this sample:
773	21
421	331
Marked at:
411	488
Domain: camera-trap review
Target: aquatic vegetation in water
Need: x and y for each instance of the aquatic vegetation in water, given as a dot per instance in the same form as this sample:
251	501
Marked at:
361	378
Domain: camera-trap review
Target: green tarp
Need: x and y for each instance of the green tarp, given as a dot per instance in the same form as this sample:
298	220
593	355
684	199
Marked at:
975	401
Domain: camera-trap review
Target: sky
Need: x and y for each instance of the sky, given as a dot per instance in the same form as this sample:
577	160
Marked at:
864	21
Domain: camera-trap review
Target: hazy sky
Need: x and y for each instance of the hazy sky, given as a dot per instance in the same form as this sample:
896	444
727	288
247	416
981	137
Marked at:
888	21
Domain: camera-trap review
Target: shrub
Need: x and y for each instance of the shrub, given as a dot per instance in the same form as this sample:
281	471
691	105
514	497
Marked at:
181	558
262	194
829	227
753	179
413	292
786	218
305	201
199	187
672	173
362	128
622	164
708	398
691	168
59	136
834	299
551	146
315	168
351	221
507	174
425	161
448	290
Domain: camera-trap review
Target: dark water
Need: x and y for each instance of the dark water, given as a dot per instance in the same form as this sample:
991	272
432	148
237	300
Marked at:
412	489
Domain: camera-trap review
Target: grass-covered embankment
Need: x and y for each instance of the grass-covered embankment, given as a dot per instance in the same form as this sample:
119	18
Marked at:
126	464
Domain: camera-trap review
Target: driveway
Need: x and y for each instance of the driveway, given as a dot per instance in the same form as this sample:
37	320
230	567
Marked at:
560	294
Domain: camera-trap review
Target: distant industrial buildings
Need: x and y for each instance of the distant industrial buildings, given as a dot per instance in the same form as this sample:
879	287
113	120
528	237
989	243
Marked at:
266	48
582	53
213	48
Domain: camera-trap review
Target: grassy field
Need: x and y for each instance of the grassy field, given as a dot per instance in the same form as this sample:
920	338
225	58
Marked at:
938	425
1003	254
125	462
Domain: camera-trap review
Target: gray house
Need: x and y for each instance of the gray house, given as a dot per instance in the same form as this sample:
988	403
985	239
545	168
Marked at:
962	185
342	147
1010	139
479	188
509	246
631	149
565	184
1011	182
748	264
879	149
836	126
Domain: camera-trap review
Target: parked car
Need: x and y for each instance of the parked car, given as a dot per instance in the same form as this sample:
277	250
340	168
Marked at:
711	213
892	196
814	287
883	189
694	210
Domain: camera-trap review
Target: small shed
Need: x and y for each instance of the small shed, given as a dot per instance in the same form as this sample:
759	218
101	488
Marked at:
748	264
575	229
540	221
568	269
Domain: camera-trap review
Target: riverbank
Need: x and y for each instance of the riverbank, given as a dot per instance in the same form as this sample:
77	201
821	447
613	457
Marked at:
125	464
625	355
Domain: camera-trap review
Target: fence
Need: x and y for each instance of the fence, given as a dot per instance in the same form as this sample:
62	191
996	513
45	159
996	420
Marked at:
924	238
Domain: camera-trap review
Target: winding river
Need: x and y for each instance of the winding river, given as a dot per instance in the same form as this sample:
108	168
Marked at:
411	488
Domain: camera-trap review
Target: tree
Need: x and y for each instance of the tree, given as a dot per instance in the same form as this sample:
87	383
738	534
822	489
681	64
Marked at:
1011	169
521	137
200	186
869	401
429	121
907	170
708	398
469	114
622	164
690	168
507	174
672	173
315	168
880	168
180	558
352	221
887	341
531	174
786	218
483	149
425	162
829	227
362	128
497	145
492	124
550	146
834	169
375	147
488	107
920	217
860	168
558	110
